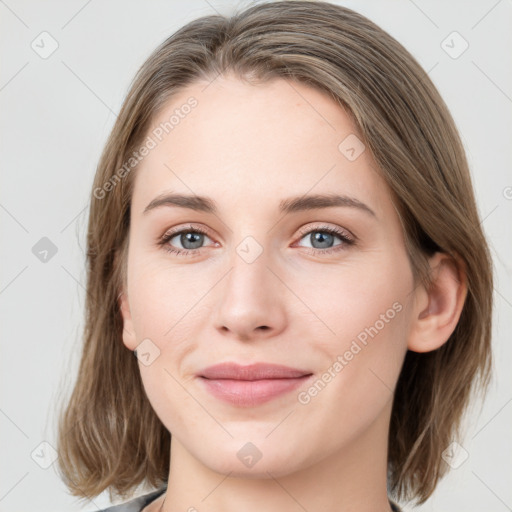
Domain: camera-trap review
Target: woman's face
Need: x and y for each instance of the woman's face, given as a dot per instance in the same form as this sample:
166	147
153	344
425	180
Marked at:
268	281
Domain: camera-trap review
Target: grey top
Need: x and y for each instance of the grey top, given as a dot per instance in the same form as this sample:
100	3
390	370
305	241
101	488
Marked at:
137	504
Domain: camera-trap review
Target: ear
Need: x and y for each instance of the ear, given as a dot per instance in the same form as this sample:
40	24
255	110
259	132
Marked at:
128	330
122	301
438	309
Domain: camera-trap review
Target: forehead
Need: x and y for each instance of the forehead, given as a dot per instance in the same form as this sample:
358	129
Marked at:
276	139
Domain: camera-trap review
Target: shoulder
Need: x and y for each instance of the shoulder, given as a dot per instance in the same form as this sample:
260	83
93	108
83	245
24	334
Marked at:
137	504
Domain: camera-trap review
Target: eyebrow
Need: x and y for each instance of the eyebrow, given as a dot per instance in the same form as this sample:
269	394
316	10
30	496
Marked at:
290	205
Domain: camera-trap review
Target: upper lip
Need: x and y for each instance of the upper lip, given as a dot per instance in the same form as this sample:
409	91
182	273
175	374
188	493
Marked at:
255	371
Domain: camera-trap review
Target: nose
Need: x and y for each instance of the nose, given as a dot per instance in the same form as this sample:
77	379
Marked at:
251	302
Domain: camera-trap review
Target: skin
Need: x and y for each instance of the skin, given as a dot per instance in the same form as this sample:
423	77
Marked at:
249	147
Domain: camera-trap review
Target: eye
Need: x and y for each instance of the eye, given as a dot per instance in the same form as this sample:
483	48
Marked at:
191	239
322	239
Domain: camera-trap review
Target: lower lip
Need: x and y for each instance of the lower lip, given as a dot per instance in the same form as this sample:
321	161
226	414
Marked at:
248	393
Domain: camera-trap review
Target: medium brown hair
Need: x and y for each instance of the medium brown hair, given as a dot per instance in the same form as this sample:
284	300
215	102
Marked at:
109	435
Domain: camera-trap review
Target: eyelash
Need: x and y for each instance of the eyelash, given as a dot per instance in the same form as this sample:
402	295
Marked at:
346	240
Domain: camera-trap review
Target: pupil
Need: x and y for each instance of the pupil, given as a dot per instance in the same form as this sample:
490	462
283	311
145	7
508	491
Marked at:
323	238
189	238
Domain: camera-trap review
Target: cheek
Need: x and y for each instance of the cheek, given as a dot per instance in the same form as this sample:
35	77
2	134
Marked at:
361	303
371	320
163	311
160	295
364	357
363	363
367	340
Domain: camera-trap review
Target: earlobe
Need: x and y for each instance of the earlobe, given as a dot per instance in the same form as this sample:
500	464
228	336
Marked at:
128	331
438	309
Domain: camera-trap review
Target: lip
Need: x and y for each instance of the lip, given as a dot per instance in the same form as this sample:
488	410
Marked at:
251	385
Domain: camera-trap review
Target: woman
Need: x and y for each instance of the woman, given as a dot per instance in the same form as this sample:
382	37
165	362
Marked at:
283	231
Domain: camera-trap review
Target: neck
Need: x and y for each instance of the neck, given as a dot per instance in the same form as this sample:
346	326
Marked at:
352	478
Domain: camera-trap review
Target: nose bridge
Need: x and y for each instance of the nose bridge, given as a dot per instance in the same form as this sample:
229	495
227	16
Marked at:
250	252
250	275
250	298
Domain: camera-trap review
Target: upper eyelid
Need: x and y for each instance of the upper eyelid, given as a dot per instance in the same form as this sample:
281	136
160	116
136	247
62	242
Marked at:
306	230
176	231
303	231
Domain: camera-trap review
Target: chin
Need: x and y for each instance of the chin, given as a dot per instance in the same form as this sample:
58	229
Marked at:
252	460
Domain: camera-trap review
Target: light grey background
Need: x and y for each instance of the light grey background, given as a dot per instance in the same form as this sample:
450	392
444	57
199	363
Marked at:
56	115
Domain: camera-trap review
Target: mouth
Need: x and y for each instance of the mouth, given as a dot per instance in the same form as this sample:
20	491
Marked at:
248	386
